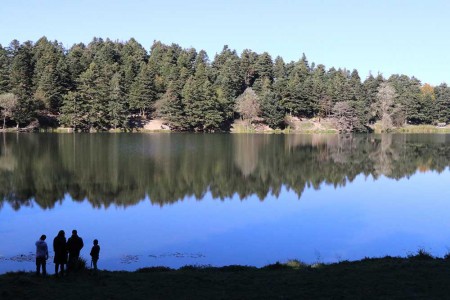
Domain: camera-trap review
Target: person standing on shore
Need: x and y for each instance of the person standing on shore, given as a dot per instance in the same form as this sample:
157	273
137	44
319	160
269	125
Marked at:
95	254
74	246
41	255
60	249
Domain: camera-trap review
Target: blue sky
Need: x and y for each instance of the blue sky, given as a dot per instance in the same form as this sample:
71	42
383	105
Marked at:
386	36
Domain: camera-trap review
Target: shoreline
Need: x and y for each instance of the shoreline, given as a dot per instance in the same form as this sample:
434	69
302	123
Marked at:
415	276
309	126
403	130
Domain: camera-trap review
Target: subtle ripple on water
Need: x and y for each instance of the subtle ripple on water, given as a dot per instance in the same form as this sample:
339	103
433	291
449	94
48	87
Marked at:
180	255
30	257
125	259
129	258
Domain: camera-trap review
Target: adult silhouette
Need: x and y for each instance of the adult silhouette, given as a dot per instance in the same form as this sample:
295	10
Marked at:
74	246
60	249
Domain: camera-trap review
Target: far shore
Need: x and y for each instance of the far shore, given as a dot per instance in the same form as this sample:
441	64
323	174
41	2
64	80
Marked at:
296	126
418	276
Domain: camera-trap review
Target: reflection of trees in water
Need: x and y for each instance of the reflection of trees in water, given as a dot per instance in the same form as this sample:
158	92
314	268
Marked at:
246	151
8	161
122	169
384	155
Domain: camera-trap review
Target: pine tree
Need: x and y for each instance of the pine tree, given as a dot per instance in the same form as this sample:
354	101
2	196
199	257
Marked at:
133	56
170	108
356	88
428	103
408	96
273	112
49	90
117	112
442	110
4	71
51	78
370	90
184	68
318	92
21	80
298	99
78	61
263	71
143	91
228	82
202	110
90	101
73	112
248	67
279	69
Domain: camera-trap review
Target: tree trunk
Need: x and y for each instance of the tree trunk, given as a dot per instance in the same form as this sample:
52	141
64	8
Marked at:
4	121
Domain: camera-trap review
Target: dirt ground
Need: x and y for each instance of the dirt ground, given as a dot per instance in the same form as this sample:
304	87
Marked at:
155	125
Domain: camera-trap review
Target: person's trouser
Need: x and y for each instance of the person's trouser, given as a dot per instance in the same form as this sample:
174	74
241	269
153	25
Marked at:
94	262
41	261
57	267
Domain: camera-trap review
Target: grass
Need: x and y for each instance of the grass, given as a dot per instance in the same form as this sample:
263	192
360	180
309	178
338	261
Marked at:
413	129
422	129
418	276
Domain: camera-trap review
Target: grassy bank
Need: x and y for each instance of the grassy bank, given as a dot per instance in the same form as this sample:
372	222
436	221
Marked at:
415	277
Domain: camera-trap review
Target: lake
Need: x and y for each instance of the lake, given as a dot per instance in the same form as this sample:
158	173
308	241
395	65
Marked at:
222	199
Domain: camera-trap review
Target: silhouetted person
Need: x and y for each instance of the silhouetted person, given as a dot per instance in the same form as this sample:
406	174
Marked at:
60	248
74	246
41	255
95	254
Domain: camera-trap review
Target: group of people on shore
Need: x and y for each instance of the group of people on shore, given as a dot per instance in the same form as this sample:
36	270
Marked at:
67	252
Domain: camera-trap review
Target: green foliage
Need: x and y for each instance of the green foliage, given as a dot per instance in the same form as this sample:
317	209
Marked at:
187	90
21	81
116	107
272	110
201	107
4	70
143	91
170	108
228	81
72	114
442	108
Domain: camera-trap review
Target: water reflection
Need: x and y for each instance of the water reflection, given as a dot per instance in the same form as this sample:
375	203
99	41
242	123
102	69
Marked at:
122	169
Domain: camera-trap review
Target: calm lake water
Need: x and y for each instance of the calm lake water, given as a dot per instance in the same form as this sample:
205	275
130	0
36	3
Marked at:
222	199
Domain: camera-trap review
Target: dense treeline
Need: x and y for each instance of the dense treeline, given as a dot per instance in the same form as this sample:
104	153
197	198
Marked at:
115	85
122	169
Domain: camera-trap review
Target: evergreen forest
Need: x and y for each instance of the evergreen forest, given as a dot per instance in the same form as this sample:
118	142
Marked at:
107	85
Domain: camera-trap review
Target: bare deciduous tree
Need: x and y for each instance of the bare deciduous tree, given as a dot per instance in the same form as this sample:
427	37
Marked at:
8	103
385	107
247	105
346	116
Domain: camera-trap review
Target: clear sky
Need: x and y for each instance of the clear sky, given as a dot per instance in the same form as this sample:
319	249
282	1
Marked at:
388	36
